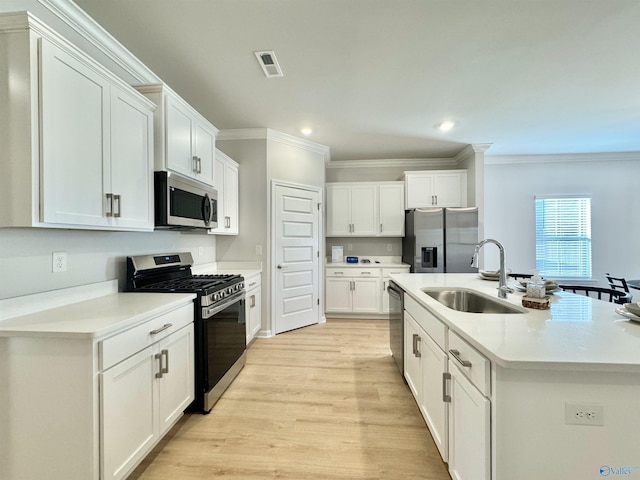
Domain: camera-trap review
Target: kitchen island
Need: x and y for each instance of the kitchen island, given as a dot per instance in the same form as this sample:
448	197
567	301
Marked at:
549	393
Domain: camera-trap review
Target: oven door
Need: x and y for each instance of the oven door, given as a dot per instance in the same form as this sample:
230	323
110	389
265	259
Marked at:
182	203
224	345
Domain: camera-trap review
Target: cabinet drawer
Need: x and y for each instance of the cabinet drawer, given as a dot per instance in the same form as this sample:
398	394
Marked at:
479	372
386	272
252	282
429	323
353	272
117	348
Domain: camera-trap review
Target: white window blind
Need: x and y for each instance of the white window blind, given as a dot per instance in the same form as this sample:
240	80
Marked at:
563	236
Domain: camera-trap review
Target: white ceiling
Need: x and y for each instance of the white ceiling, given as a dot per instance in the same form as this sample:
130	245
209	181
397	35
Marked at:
373	77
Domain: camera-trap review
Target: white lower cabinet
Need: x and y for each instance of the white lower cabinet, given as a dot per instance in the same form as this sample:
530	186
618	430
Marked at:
451	383
141	398
353	290
469	429
253	306
84	407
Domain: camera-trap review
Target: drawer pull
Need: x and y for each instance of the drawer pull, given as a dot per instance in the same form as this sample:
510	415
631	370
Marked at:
161	329
456	355
365	273
445	396
416	339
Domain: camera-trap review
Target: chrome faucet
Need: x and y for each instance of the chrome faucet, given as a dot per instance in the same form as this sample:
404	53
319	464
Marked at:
503	289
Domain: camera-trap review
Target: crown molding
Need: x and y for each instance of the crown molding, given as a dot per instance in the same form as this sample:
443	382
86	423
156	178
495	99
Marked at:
394	162
562	158
274	135
99	38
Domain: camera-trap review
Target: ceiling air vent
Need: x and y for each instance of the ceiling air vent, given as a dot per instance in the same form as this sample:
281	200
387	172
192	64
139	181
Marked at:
269	64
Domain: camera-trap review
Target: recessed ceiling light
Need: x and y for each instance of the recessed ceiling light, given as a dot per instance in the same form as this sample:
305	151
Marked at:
446	125
306	131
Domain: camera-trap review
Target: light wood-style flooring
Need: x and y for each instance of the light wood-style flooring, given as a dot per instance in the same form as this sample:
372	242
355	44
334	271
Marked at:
321	402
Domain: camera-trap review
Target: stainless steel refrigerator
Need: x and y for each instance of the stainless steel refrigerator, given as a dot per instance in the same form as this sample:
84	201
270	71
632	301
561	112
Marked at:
439	240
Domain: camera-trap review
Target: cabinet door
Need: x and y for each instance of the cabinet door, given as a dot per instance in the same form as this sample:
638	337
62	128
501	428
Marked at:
364	210
433	408
231	199
176	386
74	118
218	177
128	409
469	430
391	210
366	295
338	210
179	125
450	189
253	312
131	161
338	295
419	190
412	356
204	142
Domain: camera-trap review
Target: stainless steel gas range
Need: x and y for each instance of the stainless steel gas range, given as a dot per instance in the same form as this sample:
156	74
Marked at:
219	323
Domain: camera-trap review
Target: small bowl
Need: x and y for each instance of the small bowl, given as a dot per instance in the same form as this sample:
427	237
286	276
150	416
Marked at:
633	308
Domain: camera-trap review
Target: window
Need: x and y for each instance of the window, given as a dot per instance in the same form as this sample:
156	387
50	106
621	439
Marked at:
563	236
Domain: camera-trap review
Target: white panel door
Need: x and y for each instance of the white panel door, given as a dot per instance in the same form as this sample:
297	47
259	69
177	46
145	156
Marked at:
131	161
338	210
338	296
412	356
204	148
179	149
364	209
296	248
231	207
366	295
434	409
469	430
391	210
449	189
128	420
75	152
176	386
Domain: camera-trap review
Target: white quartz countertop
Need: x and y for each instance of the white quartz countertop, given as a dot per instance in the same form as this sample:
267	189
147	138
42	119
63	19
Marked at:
95	318
366	265
577	332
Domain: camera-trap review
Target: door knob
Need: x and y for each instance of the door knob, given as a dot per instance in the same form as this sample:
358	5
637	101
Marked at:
282	266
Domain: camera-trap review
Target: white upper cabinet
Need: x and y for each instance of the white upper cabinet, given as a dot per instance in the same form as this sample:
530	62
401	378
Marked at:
80	140
365	209
436	188
226	183
184	140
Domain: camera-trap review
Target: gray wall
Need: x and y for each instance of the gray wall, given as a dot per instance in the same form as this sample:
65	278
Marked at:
92	256
612	183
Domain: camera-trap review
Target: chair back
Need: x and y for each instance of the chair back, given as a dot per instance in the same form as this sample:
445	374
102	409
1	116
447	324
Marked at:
601	293
617	283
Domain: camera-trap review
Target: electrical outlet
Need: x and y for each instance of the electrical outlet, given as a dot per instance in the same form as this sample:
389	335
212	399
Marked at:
200	251
258	250
59	262
584	414
389	247
349	247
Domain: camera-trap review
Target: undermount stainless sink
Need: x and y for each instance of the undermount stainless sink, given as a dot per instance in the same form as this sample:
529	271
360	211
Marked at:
470	301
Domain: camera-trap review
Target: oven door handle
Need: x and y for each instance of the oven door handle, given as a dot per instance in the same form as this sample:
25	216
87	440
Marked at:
208	312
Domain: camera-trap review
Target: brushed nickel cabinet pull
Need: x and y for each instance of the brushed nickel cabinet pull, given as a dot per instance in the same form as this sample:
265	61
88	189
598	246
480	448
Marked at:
445	396
117	201
158	356
161	329
109	204
456	355
165	353
416	339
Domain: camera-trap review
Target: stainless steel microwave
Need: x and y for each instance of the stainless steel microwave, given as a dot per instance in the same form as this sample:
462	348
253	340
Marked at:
182	204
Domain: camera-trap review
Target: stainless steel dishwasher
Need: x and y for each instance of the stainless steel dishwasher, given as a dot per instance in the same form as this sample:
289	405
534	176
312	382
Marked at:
396	324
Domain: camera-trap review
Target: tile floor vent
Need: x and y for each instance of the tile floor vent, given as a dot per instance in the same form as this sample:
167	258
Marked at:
269	64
